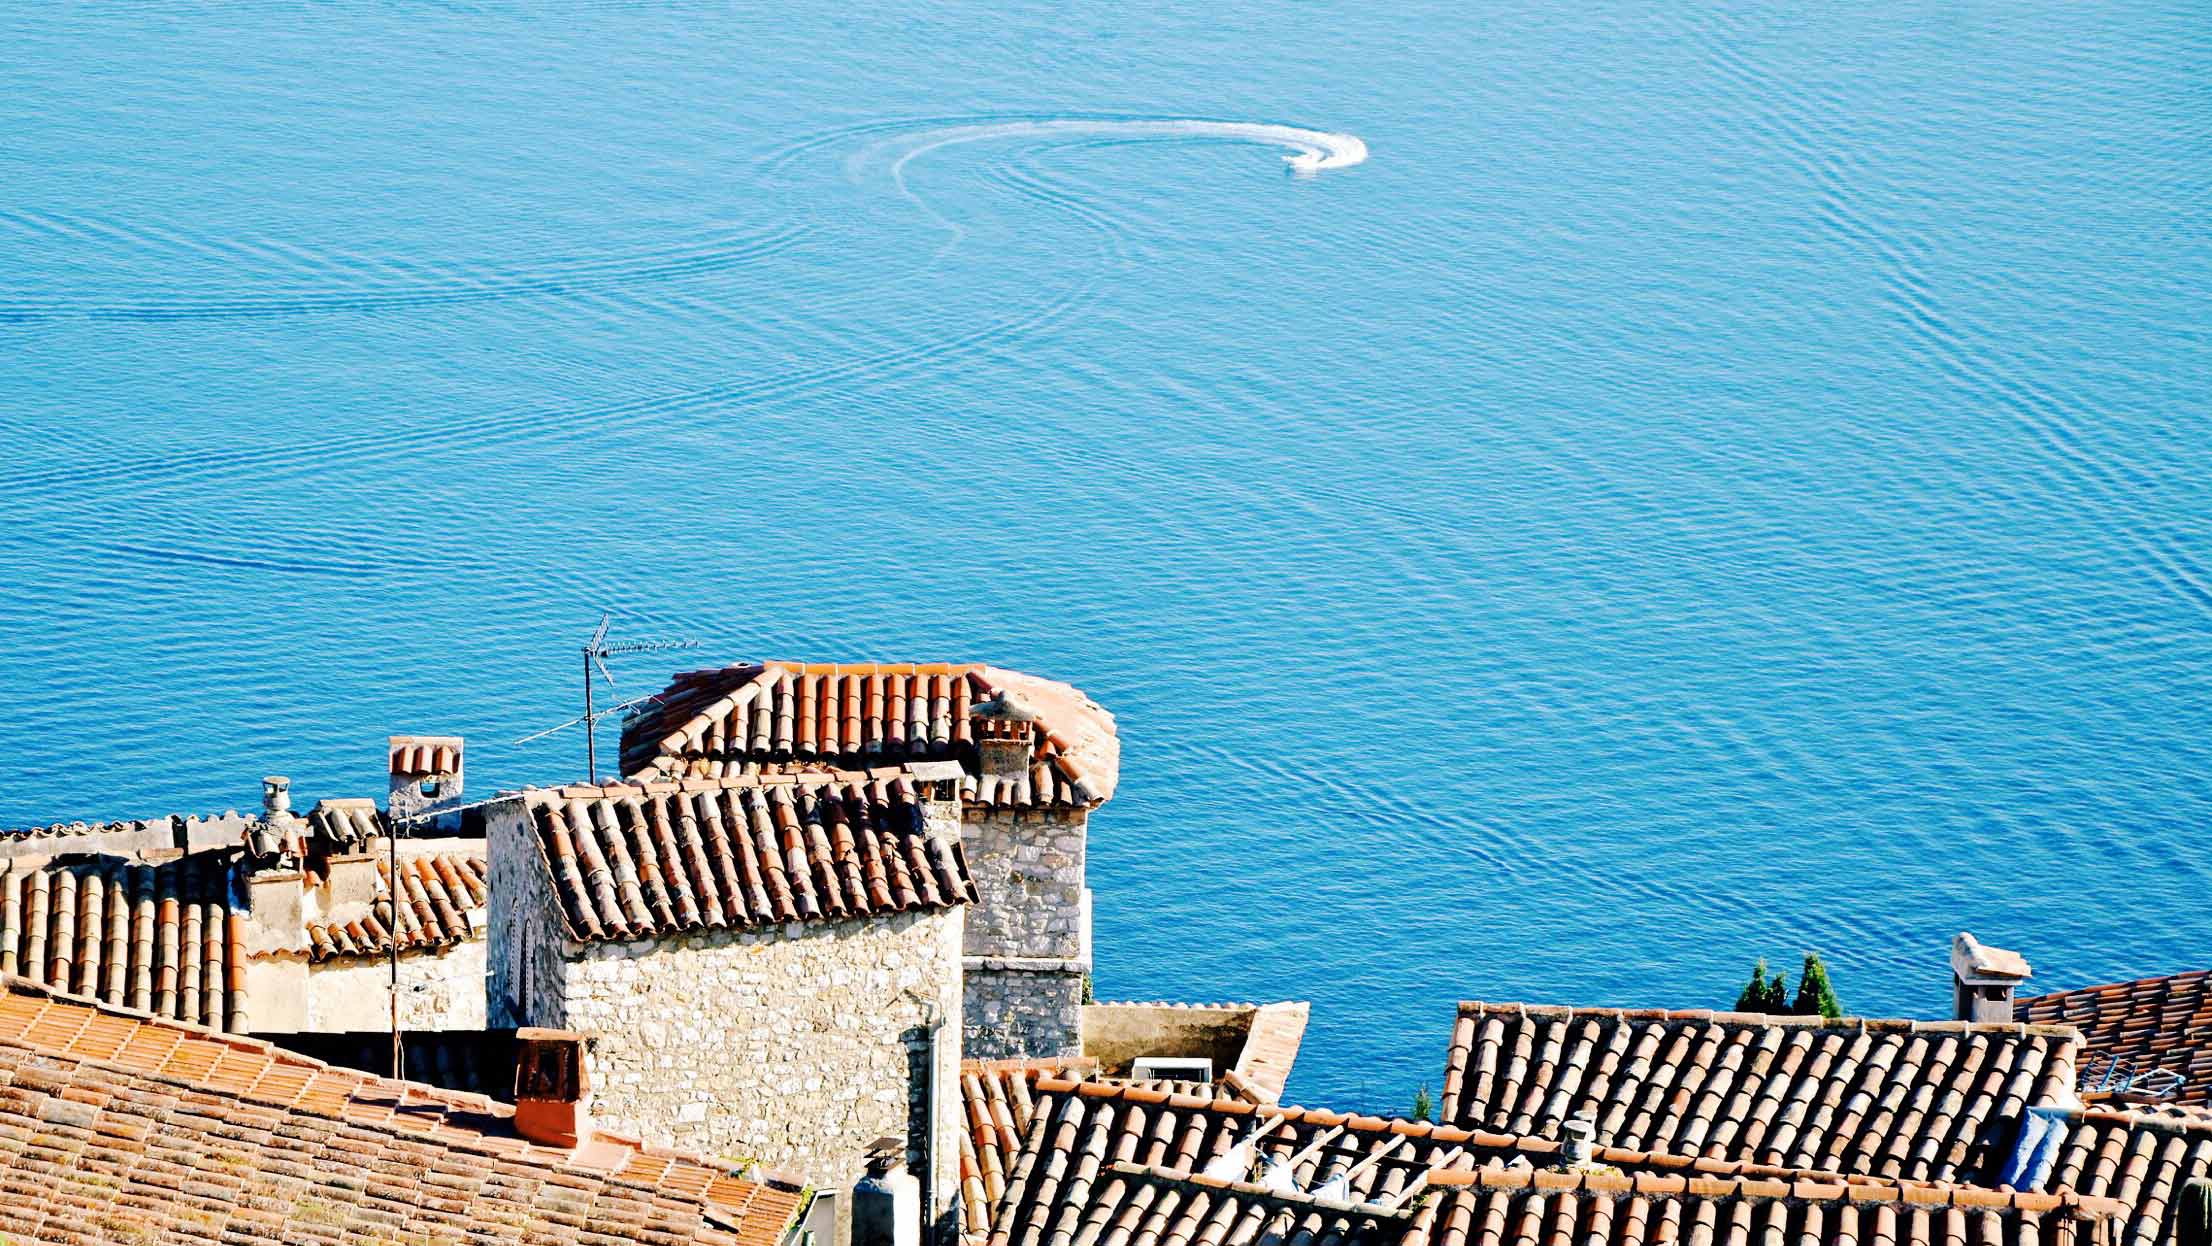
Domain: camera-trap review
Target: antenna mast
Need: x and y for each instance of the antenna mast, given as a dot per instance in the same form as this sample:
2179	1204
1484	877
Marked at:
596	653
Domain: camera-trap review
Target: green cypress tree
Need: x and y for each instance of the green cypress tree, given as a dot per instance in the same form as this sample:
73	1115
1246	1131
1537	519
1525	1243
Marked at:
1815	997
1754	997
1778	995
1424	1106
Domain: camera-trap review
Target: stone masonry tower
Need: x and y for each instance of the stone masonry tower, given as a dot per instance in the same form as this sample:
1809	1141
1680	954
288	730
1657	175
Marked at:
1028	758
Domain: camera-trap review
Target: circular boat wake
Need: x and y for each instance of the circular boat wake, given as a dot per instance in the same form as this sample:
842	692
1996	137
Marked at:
1310	151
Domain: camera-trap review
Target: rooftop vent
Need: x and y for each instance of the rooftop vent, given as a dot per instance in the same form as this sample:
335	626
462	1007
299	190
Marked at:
273	841
1577	1141
552	1087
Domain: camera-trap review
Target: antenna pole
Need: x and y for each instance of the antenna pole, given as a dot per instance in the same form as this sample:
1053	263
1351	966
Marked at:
391	886
596	653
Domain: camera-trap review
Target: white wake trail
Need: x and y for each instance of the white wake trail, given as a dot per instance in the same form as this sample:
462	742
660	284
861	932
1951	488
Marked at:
1312	151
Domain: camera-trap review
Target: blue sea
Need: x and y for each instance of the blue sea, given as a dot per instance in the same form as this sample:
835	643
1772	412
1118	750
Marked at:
1717	481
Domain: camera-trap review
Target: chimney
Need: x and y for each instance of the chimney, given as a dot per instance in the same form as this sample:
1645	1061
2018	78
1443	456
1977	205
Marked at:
425	773
1983	979
275	903
276	797
351	884
552	1087
1577	1142
273	841
1005	737
887	1202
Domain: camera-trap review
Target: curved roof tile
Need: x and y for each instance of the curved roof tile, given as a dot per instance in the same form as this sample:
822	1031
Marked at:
780	717
2150	1023
634	861
1128	1166
118	1127
1914	1100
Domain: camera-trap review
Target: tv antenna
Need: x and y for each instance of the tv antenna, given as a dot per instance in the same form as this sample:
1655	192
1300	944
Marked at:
596	653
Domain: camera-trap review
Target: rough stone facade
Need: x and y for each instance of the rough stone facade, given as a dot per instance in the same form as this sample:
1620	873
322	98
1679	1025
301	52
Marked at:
795	1045
437	991
1028	944
1013	1013
529	948
1028	871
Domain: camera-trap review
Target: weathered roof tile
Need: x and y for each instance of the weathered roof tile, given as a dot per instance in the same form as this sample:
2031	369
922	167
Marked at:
2129	1028
1113	1166
97	1150
790	716
1917	1101
626	863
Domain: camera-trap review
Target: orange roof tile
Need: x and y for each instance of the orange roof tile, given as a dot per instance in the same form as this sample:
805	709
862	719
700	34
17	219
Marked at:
2162	1023
1904	1099
442	899
792	716
221	1138
152	937
630	861
2140	1158
1127	1166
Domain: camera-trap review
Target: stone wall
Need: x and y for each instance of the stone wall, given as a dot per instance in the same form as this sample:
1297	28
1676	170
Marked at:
1117	1034
1016	1013
528	943
795	1045
1028	870
1028	942
441	990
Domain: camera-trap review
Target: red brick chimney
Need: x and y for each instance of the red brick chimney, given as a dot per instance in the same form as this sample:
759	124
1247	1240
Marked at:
552	1088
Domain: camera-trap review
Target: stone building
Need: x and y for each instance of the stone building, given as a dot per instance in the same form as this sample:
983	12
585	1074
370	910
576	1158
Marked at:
276	923
1031	758
768	966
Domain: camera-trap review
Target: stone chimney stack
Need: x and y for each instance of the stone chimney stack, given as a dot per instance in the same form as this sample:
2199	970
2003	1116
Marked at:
1983	979
351	883
425	777
1005	737
268	874
552	1087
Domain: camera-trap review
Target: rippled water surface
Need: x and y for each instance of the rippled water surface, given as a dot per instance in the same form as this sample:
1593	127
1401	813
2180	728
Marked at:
1715	481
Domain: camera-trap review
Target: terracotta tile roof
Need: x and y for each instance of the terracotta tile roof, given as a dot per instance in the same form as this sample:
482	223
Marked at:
168	938
158	827
782	716
344	823
161	938
442	901
138	837
2139	1158
633	861
1905	1099
1120	1166
2150	1023
1000	1097
117	1127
